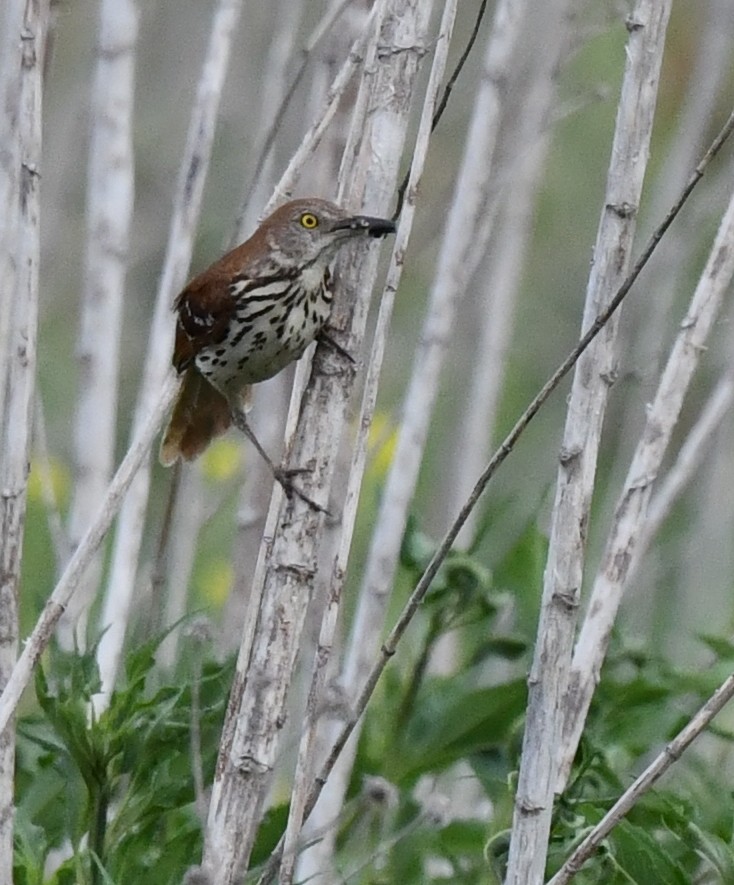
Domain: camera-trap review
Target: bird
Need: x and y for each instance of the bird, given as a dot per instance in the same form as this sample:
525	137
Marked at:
251	314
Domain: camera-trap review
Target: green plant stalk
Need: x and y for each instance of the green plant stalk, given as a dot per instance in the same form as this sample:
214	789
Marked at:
99	801
418	674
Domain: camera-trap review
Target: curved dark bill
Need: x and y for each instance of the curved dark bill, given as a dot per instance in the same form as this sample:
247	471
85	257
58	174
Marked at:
373	227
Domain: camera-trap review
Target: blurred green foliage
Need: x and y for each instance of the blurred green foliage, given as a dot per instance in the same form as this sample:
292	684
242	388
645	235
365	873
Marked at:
115	793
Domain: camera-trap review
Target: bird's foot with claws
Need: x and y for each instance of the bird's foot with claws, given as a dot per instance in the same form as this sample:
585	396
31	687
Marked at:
284	477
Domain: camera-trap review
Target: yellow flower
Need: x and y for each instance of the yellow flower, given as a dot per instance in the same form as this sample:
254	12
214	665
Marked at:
214	582
382	441
52	475
221	461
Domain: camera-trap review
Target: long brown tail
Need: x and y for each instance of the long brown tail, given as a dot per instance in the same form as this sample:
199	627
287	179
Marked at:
200	414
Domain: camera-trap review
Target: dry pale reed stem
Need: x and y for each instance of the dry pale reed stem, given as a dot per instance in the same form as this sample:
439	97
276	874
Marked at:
285	573
690	458
700	106
110	189
564	570
19	370
307	148
255	490
649	777
314	859
631	510
450	281
11	26
499	282
187	205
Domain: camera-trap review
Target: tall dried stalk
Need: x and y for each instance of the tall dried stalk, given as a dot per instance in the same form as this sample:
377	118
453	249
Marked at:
109	218
448	285
286	568
699	109
187	204
28	25
318	859
270	399
594	374
499	282
631	511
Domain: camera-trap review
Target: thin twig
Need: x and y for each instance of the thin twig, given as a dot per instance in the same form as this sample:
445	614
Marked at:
312	138
649	777
441	106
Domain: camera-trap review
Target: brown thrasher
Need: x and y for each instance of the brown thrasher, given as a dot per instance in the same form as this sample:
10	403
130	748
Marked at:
251	314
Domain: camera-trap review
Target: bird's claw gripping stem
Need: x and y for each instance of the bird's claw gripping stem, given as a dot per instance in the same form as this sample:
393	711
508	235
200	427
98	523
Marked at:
285	478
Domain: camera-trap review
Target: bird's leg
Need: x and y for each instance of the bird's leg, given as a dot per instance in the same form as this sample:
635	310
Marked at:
282	476
326	338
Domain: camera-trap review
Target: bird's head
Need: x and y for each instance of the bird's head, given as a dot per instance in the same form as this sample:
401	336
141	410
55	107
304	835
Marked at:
309	232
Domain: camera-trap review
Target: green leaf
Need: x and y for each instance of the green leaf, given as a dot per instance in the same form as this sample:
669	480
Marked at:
720	646
451	723
508	647
417	547
644	859
716	852
31	847
520	571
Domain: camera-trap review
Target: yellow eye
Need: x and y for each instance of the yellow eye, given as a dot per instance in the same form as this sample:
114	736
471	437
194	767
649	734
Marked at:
309	220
